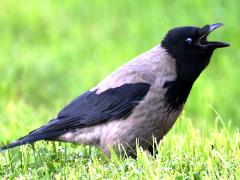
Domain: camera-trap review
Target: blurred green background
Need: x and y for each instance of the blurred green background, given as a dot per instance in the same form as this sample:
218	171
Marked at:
51	51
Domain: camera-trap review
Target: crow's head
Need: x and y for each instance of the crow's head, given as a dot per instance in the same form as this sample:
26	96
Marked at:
190	48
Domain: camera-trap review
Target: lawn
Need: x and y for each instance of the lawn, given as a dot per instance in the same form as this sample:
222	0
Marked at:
52	51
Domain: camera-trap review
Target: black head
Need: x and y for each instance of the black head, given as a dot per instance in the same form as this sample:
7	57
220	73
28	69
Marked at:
189	46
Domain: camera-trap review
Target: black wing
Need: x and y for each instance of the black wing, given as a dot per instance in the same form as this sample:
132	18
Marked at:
90	109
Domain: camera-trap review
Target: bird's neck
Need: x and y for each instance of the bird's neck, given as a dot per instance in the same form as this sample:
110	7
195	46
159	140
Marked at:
177	91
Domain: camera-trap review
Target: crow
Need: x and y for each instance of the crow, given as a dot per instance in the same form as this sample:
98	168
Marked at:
140	100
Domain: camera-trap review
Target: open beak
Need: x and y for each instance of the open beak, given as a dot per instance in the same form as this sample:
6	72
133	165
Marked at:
203	33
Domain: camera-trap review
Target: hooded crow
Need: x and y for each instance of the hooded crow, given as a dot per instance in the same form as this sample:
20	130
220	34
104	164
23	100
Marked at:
140	100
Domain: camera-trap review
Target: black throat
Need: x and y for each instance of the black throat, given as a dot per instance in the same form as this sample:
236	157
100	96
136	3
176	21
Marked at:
188	69
177	92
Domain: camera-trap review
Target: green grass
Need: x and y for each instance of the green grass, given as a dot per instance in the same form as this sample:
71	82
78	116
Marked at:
186	153
51	51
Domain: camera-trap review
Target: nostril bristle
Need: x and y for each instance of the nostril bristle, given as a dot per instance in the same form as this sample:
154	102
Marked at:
203	40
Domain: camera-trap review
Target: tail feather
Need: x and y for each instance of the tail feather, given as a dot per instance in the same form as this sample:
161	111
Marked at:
31	138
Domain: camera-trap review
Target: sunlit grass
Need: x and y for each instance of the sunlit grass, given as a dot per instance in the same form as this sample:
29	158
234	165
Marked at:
51	51
186	152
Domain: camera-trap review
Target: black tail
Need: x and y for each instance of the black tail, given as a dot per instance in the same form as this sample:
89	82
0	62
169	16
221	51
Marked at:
24	140
46	132
32	137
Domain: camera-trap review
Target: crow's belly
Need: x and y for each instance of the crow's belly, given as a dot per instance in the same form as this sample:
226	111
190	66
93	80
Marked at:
139	128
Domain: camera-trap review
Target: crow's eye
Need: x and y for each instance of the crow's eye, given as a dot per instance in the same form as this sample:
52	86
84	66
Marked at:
188	40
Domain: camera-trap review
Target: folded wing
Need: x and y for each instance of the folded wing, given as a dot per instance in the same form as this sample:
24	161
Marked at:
89	109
